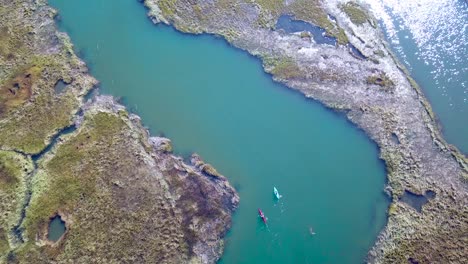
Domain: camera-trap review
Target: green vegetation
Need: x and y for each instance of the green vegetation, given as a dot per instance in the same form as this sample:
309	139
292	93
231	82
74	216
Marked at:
274	7
13	170
9	172
392	209
4	245
27	92
270	10
104	179
11	42
27	132
206	168
210	170
27	79
17	90
117	204
13	167
168	7
381	79
284	68
433	241
70	174
312	11
379	53
230	34
305	34
100	184
356	13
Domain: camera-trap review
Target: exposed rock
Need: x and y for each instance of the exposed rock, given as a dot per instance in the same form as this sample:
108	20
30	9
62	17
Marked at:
419	160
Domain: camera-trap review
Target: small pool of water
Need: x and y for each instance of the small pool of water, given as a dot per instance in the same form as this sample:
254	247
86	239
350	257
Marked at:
56	229
357	53
60	86
417	201
290	25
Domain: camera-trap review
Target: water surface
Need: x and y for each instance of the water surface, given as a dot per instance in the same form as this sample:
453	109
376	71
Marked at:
210	98
431	38
291	25
417	201
60	86
56	229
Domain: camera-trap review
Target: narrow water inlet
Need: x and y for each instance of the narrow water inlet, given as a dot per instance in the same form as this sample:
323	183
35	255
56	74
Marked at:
18	229
64	131
56	228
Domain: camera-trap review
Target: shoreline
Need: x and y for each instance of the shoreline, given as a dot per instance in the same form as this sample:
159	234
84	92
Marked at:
406	162
148	174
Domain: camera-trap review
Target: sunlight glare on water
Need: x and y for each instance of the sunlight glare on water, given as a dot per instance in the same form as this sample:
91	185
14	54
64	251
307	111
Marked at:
430	37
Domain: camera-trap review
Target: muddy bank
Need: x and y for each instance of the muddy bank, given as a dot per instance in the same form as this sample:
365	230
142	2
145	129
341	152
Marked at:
373	90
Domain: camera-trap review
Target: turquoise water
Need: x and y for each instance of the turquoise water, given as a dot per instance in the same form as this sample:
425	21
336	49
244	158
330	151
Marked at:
437	60
56	229
210	98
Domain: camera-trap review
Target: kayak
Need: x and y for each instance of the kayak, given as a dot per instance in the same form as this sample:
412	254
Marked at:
276	193
311	231
262	216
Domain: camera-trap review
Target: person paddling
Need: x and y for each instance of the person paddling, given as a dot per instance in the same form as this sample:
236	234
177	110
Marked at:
260	213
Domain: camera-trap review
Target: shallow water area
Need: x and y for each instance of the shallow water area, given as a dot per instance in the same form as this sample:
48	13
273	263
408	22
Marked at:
56	229
213	99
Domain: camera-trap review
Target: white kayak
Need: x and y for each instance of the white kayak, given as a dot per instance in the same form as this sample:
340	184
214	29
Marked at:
275	191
